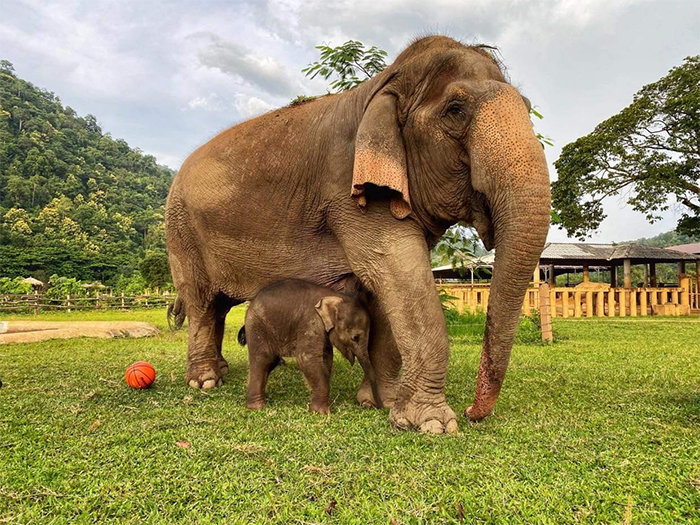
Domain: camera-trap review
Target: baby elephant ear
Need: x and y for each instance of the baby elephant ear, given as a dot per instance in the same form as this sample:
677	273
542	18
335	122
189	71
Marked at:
380	156
327	309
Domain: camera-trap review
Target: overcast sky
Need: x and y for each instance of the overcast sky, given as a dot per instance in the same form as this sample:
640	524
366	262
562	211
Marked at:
168	75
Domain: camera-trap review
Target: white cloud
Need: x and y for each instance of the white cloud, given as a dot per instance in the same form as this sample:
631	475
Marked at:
210	102
136	64
249	107
234	59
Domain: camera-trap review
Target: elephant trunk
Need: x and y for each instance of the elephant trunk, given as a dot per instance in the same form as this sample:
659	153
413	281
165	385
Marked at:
366	365
509	167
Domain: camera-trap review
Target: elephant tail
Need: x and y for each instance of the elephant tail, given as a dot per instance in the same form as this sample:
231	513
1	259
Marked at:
241	336
176	314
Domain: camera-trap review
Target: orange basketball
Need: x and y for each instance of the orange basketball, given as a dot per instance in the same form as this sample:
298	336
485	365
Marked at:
140	375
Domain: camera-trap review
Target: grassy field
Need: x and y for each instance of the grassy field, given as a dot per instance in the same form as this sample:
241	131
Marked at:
601	427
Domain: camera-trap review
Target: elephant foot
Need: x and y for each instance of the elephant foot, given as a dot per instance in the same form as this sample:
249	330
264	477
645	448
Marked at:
204	375
256	405
320	408
431	416
386	391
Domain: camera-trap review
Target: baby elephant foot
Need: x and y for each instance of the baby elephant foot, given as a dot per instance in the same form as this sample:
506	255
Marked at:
204	375
257	404
366	399
223	366
320	408
432	416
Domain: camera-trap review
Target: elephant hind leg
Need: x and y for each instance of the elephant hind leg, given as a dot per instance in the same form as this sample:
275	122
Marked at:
204	359
222	304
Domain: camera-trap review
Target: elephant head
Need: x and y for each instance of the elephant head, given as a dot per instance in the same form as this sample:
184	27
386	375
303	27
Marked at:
444	130
347	324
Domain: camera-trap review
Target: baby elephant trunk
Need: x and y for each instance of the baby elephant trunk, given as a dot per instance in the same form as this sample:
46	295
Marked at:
366	365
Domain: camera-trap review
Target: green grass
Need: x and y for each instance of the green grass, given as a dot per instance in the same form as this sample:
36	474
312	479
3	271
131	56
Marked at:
601	427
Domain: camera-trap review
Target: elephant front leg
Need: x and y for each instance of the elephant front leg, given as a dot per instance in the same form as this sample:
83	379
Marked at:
391	259
202	352
386	361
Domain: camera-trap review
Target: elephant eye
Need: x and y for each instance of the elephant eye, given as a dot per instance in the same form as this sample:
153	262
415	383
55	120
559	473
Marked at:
356	338
455	110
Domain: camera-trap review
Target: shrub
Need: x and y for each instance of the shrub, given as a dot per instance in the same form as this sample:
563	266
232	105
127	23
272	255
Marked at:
14	286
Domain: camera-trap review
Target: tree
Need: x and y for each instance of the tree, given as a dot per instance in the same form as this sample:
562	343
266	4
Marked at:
351	63
650	152
155	269
73	200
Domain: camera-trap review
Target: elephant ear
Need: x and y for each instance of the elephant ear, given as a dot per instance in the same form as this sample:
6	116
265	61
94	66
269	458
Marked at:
327	309
380	157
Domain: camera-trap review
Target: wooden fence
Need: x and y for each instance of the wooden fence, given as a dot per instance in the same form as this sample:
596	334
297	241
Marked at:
591	302
40	302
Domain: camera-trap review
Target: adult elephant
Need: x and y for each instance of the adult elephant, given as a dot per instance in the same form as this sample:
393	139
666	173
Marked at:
359	186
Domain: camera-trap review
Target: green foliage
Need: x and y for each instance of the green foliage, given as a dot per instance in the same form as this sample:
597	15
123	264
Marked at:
14	286
456	247
73	200
351	63
60	287
469	328
301	99
649	152
155	269
135	284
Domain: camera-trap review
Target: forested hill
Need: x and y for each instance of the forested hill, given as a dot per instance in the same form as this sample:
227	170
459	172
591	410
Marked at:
73	200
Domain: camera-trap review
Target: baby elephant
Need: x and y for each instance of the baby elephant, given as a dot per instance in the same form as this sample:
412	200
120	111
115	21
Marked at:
299	319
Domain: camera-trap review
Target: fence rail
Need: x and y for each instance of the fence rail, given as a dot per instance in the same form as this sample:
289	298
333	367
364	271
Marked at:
591	302
39	302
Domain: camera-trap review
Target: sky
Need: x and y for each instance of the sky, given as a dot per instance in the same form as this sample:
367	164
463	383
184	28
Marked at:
166	76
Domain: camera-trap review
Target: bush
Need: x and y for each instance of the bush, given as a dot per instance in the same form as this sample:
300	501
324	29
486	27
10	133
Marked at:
469	328
14	286
60	287
133	285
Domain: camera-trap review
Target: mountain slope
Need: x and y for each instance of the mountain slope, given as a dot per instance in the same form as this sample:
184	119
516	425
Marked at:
73	200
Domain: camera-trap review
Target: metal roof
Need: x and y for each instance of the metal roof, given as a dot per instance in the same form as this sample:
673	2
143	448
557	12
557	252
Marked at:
581	253
687	248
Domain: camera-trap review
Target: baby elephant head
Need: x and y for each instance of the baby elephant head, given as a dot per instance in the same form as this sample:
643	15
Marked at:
347	324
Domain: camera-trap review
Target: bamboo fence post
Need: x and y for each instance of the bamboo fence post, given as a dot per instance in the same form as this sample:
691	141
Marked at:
589	304
545	318
643	306
565	302
600	303
611	302
633	303
622	300
36	302
552	302
577	304
68	302
122	300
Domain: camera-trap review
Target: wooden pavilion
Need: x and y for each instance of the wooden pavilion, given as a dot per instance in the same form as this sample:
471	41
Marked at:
590	298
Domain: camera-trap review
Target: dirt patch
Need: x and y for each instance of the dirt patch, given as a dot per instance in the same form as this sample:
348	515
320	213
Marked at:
33	331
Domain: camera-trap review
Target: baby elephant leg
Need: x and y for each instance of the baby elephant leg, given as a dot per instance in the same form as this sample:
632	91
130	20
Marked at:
260	365
317	370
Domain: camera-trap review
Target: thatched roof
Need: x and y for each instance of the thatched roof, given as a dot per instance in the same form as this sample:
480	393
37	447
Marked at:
32	281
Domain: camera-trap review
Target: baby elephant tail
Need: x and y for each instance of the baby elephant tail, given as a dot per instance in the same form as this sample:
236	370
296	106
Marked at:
241	336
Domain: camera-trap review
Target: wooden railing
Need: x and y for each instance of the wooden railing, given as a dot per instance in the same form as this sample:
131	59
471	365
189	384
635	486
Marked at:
39	302
590	302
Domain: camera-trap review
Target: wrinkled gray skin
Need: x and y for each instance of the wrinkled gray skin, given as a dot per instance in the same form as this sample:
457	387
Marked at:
351	191
294	318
